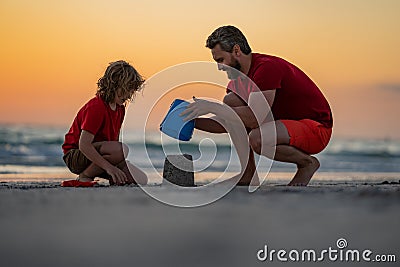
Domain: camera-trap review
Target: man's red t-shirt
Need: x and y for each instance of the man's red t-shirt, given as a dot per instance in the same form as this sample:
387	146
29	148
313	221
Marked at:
297	96
96	117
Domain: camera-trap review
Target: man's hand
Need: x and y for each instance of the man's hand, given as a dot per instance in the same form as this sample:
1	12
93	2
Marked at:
198	108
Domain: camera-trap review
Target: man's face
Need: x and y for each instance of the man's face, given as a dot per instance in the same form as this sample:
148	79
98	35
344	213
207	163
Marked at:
224	59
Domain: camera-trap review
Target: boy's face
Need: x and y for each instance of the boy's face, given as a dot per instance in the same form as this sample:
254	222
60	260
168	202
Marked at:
121	97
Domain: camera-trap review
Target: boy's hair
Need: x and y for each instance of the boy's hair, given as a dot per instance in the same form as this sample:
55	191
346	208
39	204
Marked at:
119	75
227	37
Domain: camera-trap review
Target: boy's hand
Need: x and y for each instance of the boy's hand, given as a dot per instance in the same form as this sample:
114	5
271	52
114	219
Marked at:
118	176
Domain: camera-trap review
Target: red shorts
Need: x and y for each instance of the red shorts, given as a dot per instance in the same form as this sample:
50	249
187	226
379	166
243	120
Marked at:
307	135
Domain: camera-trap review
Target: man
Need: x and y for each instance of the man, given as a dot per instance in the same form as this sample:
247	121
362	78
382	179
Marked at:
301	115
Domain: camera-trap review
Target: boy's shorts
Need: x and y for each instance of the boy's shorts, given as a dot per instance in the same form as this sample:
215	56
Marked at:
307	135
77	162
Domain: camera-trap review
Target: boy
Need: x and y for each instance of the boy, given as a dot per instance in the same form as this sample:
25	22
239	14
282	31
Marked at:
91	147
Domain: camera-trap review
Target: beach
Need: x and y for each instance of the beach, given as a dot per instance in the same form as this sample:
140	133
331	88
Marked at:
43	224
326	72
354	197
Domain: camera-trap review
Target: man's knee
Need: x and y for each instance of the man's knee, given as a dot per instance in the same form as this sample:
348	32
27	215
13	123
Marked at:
261	145
125	150
255	141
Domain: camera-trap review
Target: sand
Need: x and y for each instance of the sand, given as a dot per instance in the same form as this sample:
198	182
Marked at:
42	224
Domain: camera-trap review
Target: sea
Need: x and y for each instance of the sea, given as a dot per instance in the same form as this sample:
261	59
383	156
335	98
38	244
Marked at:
35	151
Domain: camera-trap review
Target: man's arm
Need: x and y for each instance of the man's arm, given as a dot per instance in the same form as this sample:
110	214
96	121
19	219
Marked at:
257	110
250	116
209	125
212	125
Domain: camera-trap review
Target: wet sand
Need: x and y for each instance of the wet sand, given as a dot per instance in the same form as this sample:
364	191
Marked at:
43	224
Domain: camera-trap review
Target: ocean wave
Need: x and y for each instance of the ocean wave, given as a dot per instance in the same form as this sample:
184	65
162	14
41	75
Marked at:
183	146
374	154
18	169
53	147
364	148
33	141
35	146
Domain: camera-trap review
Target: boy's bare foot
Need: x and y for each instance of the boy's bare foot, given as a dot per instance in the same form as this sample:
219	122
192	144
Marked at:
83	178
305	173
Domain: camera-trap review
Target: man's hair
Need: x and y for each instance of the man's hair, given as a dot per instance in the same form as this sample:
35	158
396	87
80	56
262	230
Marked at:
227	37
119	75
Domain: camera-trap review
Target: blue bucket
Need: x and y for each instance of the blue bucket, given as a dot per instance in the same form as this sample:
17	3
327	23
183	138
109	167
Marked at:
173	124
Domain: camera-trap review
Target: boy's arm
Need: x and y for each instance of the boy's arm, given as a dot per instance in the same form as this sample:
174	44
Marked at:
87	148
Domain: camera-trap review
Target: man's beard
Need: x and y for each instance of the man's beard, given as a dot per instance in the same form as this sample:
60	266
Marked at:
232	74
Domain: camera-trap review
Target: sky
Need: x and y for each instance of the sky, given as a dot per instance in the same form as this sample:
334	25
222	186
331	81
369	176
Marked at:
53	52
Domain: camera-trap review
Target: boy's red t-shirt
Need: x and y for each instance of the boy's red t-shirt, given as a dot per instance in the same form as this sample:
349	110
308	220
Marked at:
96	117
297	96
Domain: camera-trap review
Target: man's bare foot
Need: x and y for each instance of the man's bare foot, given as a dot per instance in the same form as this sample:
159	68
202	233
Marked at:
240	180
249	177
246	181
305	173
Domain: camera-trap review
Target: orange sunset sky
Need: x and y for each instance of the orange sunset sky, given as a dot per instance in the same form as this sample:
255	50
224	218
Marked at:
53	52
